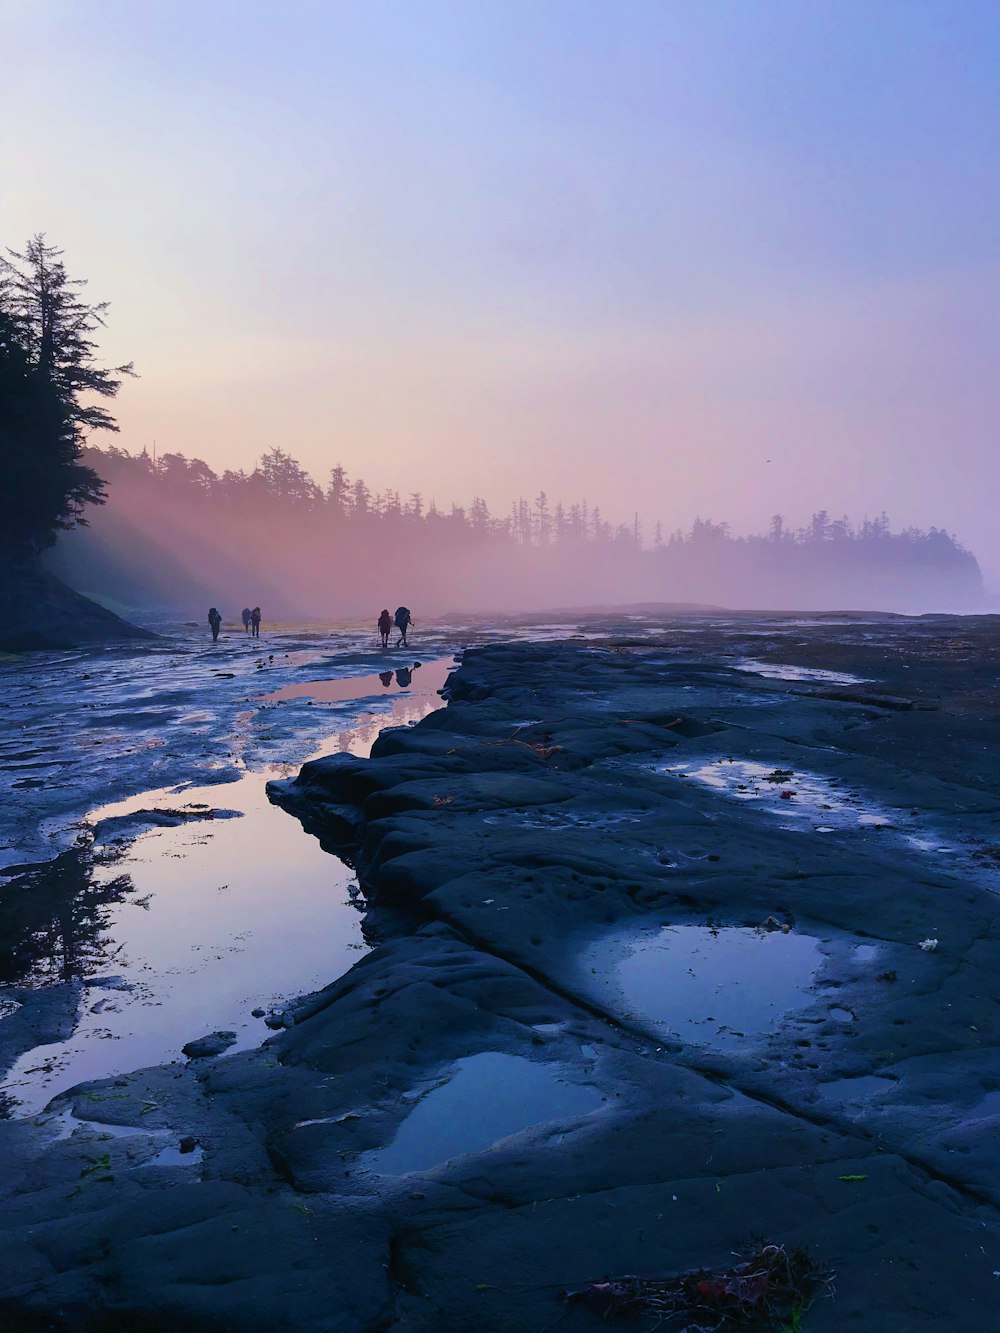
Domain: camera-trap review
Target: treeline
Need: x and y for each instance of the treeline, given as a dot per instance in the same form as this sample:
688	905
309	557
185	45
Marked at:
175	531
279	487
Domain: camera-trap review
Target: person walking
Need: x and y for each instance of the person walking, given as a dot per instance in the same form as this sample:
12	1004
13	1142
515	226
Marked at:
255	622
247	616
403	621
215	623
385	626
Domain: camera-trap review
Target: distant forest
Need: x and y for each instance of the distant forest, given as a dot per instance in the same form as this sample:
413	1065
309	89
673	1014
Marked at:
175	534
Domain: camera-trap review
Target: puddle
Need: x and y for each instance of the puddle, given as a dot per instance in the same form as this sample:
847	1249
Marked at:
797	798
988	1108
931	845
418	678
785	671
66	1124
338	1119
711	986
561	819
487	1098
802	800
173	1156
200	921
849	1092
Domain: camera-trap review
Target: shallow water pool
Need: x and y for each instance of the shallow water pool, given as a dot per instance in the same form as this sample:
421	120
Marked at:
189	926
786	671
798	798
485	1099
708	985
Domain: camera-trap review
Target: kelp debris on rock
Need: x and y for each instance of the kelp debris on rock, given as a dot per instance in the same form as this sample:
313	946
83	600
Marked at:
771	1286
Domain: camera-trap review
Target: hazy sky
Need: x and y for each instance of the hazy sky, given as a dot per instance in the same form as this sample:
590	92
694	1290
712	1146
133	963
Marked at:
686	257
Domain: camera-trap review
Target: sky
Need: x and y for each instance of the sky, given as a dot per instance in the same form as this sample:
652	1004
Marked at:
685	257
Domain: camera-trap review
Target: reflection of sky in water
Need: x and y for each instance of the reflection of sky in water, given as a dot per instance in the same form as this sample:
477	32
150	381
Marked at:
215	917
425	678
819	804
785	671
90	725
143	1146
813	798
486	1098
556	818
711	986
855	1094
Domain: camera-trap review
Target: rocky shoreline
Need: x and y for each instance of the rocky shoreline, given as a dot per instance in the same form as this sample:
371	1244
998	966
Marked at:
673	955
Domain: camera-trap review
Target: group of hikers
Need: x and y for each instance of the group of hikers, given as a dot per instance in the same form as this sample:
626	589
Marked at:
251	624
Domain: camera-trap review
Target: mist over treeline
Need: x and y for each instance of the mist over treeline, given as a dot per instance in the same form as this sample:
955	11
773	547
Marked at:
177	536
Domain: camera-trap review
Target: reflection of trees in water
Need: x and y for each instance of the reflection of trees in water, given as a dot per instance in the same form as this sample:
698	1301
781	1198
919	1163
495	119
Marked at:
55	918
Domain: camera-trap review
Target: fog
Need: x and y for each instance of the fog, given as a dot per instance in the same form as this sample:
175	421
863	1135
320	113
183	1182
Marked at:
175	538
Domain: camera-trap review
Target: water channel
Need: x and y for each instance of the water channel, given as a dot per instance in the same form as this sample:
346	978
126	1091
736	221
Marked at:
183	909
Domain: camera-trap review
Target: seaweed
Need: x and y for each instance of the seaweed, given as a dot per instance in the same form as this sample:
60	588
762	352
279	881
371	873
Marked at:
769	1288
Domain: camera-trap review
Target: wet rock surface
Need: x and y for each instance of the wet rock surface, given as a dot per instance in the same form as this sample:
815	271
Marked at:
545	869
214	1044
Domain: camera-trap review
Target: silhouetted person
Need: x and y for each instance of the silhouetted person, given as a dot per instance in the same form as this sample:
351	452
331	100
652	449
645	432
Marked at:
215	621
403	622
255	622
386	678
384	627
247	614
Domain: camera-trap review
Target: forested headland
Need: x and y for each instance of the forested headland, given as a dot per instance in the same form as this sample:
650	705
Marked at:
175	534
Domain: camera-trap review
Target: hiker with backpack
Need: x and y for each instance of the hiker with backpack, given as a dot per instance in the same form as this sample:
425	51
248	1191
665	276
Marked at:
403	621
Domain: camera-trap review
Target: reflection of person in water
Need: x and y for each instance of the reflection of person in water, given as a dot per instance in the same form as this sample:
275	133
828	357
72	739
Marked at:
255	622
384	626
403	676
246	616
215	622
386	678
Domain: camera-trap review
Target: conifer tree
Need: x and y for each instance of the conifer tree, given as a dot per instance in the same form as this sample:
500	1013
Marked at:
49	376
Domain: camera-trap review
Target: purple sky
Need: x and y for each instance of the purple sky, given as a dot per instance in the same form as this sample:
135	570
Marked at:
688	258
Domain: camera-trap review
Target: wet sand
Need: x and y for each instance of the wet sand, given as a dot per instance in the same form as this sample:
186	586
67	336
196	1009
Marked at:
672	953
